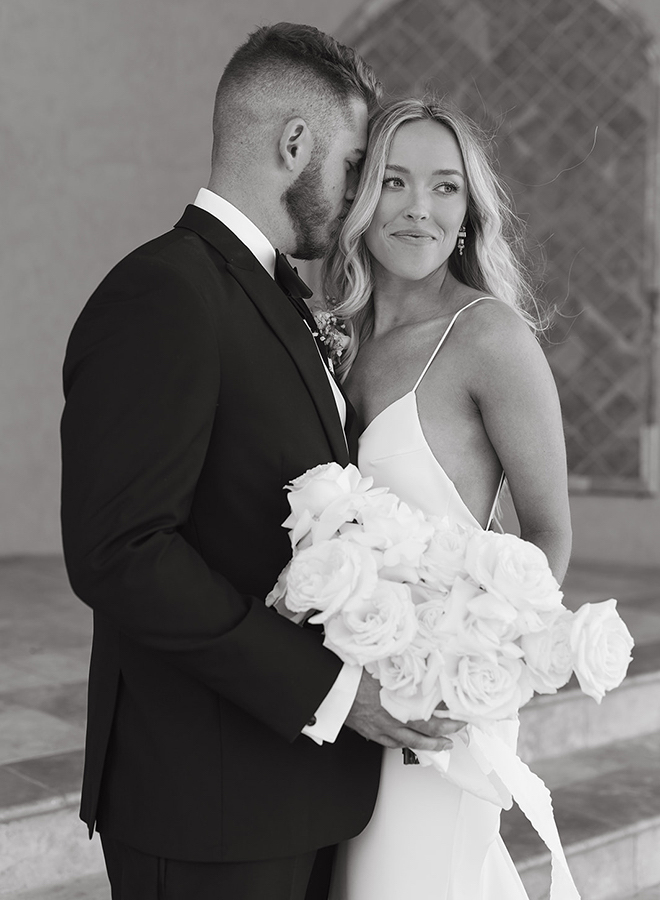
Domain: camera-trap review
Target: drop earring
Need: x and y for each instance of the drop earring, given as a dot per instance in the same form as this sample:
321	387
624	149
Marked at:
462	234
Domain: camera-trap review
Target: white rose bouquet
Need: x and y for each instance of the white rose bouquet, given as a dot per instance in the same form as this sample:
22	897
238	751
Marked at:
452	621
437	612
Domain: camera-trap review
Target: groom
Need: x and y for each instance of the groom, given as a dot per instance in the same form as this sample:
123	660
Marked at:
217	763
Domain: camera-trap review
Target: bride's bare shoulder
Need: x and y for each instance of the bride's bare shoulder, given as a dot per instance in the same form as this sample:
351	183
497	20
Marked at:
496	345
490	323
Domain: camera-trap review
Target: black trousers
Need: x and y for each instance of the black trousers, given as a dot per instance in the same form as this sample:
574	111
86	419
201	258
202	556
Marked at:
139	876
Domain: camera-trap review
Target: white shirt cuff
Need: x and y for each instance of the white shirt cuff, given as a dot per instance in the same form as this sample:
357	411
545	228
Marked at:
332	713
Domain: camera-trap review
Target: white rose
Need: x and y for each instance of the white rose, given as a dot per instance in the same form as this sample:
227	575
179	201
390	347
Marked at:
467	621
514	570
401	534
430	609
324	489
479	687
373	627
448	621
410	683
492	621
457	610
325	576
444	559
367	528
338	513
548	654
330	470
530	620
601	645
342	512
381	505
316	487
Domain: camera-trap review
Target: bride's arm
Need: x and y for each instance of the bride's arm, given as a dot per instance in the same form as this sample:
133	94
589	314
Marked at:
513	386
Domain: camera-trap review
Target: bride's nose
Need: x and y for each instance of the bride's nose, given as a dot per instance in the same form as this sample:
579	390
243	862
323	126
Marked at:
417	210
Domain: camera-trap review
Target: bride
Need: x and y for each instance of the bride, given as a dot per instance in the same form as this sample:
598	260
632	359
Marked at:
454	394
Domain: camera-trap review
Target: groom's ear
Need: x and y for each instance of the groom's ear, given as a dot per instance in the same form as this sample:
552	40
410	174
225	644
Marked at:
295	145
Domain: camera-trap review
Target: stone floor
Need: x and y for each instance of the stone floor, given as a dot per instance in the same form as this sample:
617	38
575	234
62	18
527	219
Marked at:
593	791
44	654
96	887
44	650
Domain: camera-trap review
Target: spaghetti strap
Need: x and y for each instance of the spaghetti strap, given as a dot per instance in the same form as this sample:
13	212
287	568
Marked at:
493	508
425	370
444	336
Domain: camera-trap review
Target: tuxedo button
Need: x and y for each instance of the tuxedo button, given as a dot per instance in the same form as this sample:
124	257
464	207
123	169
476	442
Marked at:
311	722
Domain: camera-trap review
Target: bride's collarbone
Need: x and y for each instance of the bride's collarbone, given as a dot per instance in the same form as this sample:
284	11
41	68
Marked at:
397	353
414	342
385	372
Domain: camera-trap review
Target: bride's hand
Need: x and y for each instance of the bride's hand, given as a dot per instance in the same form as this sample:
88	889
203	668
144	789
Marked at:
369	719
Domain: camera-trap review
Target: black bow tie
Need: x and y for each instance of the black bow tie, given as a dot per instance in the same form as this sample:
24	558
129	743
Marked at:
289	280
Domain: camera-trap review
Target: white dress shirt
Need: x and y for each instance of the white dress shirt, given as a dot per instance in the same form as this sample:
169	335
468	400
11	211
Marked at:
331	714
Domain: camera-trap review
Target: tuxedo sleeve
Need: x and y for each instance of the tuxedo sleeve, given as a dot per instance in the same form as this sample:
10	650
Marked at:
142	378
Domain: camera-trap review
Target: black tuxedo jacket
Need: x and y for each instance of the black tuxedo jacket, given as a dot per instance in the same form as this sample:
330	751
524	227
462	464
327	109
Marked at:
194	392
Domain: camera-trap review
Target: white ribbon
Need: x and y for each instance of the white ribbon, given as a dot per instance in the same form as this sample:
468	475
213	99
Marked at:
482	763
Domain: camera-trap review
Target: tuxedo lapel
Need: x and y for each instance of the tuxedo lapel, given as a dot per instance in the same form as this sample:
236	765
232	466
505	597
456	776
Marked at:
292	331
280	314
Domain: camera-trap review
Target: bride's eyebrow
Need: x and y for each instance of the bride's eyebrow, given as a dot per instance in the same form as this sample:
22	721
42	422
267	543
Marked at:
404	171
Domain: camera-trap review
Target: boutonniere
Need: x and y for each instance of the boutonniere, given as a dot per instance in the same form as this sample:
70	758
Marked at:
331	333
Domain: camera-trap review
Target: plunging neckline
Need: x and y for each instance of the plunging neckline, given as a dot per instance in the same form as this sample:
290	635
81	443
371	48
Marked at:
426	447
424	444
389	405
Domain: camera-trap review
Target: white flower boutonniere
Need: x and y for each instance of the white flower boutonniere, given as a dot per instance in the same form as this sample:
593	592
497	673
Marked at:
331	334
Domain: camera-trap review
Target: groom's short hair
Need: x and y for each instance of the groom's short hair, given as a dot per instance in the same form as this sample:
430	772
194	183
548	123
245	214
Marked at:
288	70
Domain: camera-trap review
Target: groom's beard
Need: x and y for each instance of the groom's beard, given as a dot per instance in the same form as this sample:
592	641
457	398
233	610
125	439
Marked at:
310	212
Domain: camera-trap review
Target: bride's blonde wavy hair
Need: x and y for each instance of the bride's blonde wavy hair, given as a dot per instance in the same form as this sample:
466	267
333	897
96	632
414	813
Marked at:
489	262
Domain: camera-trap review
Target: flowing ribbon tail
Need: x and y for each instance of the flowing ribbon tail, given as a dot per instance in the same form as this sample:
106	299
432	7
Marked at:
533	798
466	767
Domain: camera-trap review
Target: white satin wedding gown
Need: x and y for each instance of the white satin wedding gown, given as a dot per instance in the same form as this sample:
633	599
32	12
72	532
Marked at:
427	838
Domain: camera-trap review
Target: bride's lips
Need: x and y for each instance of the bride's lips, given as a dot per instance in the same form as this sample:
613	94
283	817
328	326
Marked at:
413	236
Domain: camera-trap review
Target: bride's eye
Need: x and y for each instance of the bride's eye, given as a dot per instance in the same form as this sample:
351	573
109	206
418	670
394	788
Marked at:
390	181
447	187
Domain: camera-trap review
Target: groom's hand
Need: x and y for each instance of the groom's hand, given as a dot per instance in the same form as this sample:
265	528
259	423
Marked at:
369	719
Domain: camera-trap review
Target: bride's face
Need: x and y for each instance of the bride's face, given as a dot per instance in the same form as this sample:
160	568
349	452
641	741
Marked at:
423	202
